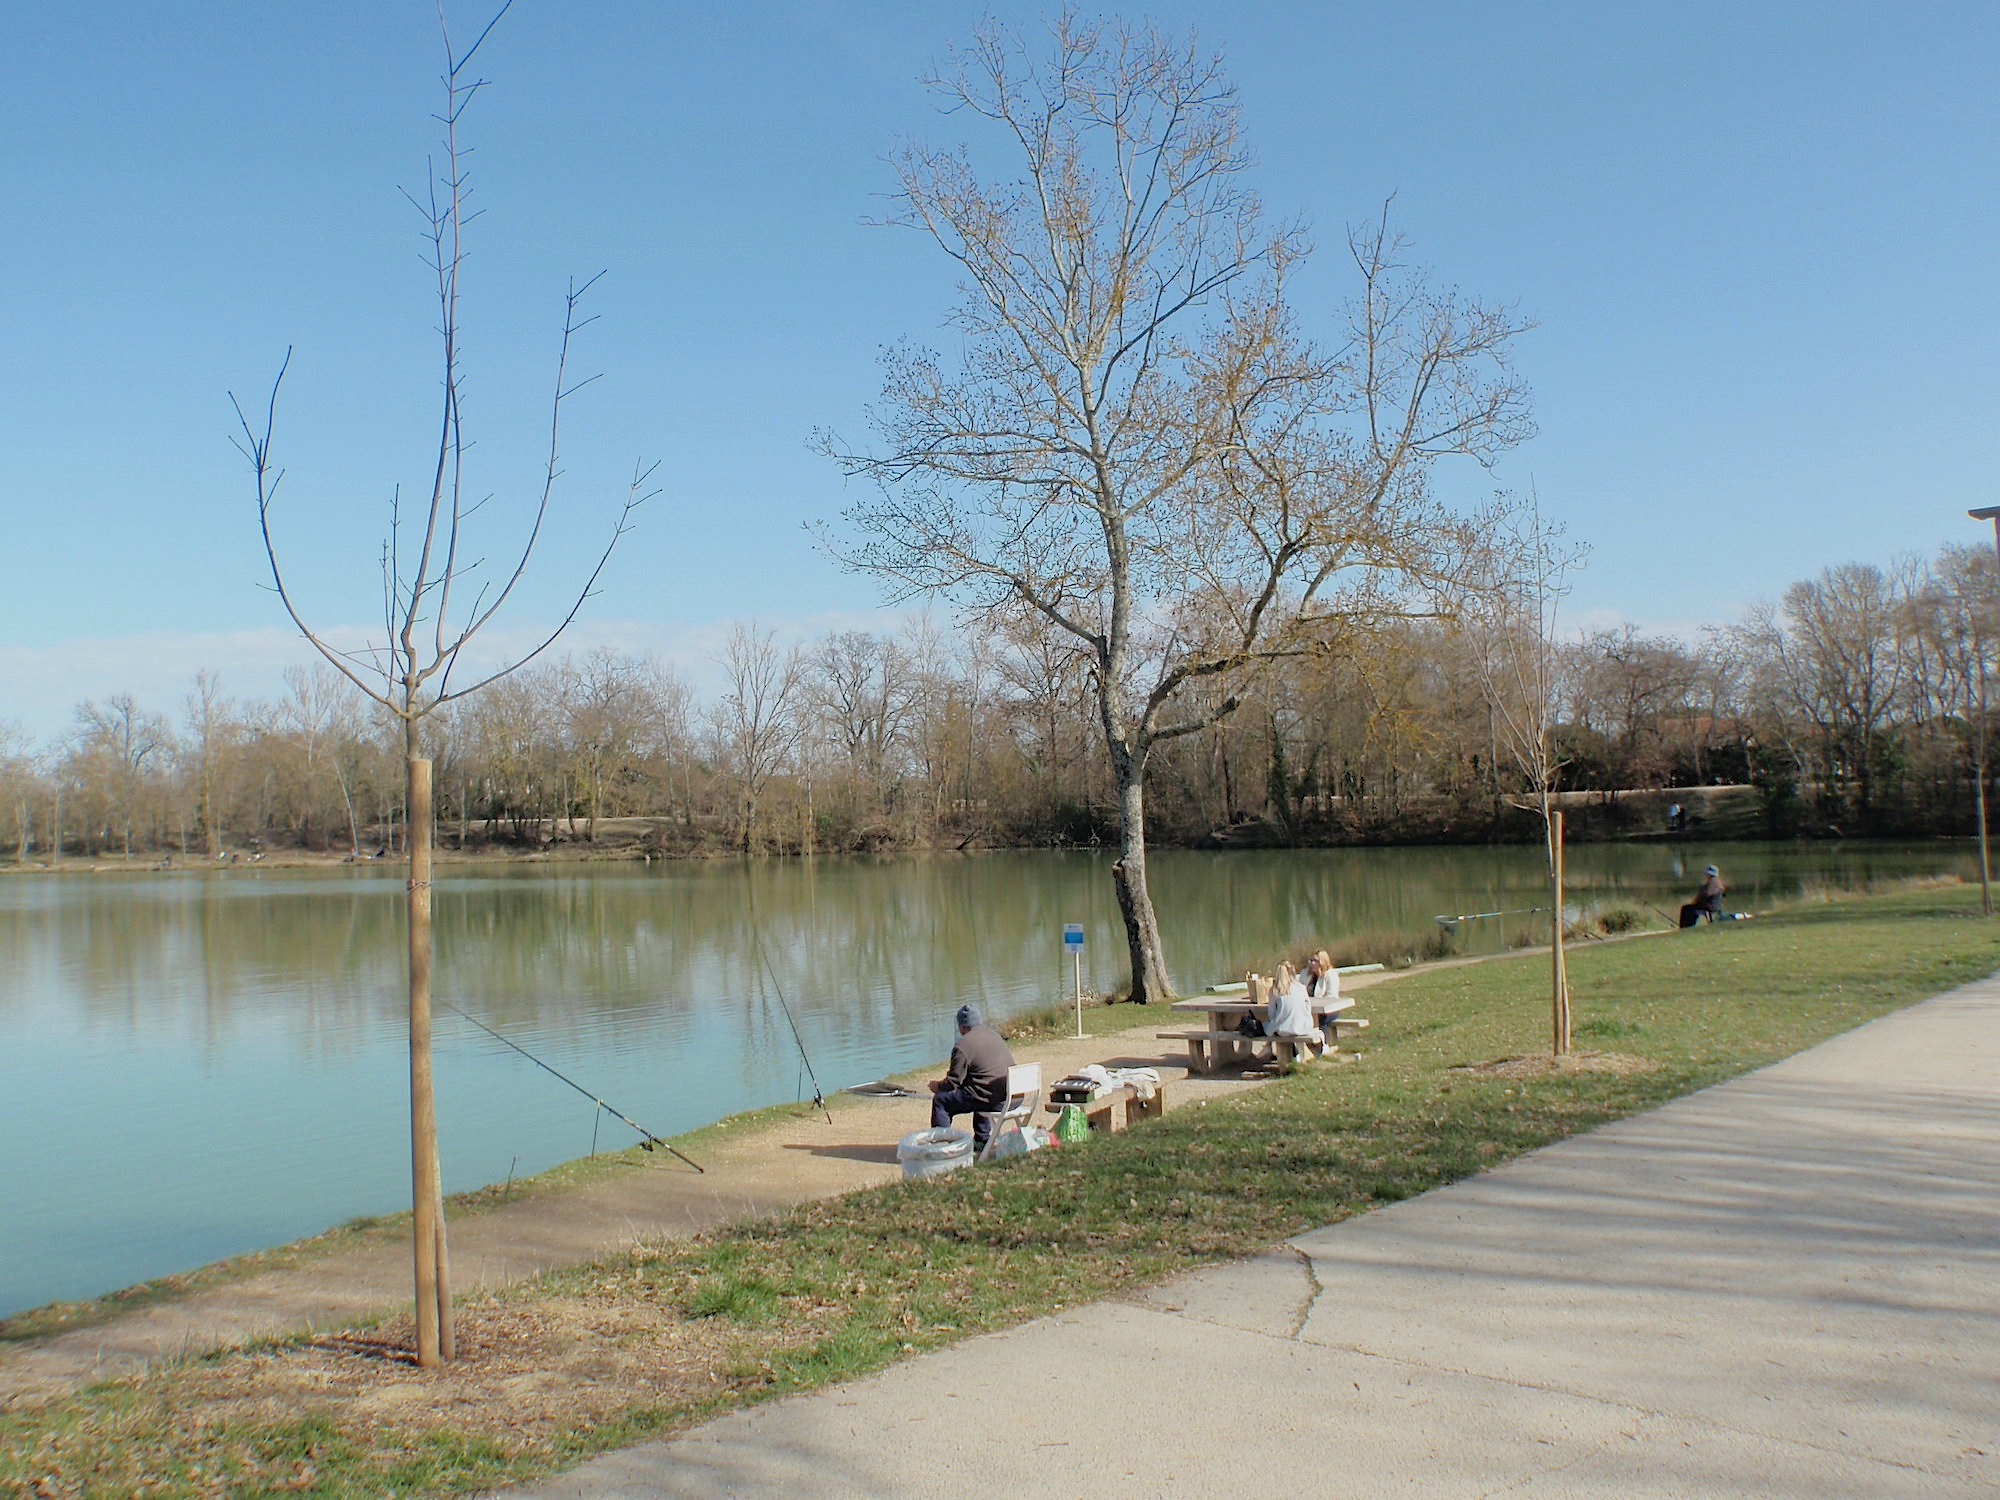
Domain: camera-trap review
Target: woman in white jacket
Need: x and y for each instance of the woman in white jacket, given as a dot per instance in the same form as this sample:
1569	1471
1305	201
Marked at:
1322	986
1289	1011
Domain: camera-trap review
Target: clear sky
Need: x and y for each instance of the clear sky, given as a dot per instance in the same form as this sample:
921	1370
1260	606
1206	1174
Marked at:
1759	241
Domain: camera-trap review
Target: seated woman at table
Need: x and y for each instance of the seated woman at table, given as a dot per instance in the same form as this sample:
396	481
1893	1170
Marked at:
1289	1012
1322	986
1322	979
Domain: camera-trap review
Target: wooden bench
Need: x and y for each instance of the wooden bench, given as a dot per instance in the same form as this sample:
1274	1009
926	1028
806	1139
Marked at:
1210	1050
1114	1108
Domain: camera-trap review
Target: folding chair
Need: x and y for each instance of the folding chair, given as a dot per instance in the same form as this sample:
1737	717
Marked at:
1024	1097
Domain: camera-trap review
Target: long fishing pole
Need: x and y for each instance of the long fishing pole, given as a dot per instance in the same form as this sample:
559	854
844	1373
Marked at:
819	1099
647	1140
1519	911
757	942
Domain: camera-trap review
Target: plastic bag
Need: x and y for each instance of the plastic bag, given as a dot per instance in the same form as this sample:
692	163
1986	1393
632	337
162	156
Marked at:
1009	1142
1071	1126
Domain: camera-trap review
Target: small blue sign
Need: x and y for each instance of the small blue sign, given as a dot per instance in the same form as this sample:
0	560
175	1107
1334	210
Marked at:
1073	937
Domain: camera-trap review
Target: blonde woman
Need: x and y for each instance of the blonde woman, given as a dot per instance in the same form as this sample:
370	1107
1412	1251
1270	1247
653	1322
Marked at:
1322	979
1289	1012
1322	987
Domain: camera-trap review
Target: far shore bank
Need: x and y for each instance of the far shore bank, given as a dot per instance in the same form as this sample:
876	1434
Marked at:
1727	814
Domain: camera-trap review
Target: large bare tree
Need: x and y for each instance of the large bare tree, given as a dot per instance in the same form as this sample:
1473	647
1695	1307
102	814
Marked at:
1136	444
1956	616
756	722
429	566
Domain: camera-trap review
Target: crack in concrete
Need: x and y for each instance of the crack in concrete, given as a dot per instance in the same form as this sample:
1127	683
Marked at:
1547	1388
1312	1297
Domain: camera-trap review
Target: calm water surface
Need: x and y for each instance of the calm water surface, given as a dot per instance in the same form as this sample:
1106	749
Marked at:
195	1065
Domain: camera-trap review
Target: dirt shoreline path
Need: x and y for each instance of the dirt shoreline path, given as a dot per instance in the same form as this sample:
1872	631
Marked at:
772	1167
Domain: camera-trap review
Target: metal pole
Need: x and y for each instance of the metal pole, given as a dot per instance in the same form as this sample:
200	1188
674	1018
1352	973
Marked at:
1984	513
1985	855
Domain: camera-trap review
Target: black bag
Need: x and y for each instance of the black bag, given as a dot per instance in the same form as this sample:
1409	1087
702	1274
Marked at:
1250	1026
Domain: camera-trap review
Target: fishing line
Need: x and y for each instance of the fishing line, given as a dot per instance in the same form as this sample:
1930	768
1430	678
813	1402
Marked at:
647	1140
756	941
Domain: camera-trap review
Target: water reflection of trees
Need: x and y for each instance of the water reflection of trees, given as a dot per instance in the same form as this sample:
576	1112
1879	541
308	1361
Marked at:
864	949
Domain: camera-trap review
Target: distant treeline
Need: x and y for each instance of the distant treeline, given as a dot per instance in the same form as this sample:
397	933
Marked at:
1853	705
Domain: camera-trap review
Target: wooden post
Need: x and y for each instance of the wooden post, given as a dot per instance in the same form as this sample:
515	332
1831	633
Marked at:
426	1202
1985	859
1079	994
1558	969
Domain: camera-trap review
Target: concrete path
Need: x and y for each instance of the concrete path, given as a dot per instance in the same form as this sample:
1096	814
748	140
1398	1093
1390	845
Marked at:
1787	1285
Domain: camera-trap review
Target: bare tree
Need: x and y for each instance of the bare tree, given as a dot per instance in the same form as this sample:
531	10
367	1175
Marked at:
209	728
757	722
428	626
1511	623
862	687
320	708
122	742
18	786
1957	615
1832	656
1135	443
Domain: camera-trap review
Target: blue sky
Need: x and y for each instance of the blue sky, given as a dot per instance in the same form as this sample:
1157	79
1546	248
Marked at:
1759	241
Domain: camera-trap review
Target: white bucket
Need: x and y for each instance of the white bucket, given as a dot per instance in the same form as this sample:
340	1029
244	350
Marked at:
926	1153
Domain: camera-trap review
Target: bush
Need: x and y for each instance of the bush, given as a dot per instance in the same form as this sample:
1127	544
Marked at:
1619	919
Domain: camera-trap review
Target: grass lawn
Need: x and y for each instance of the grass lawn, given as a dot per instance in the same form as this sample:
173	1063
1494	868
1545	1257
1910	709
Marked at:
607	1354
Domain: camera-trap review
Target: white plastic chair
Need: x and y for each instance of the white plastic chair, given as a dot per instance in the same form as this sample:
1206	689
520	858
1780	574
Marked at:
1024	1097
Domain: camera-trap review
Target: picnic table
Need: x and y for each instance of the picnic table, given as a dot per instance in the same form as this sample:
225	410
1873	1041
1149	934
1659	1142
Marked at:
1218	1044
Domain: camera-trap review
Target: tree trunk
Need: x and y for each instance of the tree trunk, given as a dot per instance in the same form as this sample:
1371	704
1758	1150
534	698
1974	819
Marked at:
434	1322
1150	981
1558	965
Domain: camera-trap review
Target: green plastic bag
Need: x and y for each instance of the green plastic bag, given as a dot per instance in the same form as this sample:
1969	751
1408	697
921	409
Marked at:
1071	1127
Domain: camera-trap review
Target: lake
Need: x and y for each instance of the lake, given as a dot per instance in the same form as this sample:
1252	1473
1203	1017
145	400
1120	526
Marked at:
193	1065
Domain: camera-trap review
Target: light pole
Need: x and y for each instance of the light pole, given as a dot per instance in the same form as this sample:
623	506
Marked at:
1984	513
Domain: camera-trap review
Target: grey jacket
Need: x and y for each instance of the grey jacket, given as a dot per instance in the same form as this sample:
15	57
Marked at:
979	1064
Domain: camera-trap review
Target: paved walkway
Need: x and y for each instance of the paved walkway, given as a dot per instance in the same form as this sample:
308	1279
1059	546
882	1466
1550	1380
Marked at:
1787	1285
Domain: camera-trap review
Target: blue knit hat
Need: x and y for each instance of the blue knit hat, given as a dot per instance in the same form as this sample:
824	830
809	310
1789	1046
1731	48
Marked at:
968	1017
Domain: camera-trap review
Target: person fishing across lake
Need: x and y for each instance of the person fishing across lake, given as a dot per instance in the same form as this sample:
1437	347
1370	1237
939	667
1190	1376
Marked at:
1707	900
976	1081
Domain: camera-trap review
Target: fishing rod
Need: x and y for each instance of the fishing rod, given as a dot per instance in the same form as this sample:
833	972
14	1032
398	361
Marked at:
819	1099
1521	911
647	1140
757	942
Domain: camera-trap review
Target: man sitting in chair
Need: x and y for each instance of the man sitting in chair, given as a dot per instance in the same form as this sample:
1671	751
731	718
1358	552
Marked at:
1707	901
976	1082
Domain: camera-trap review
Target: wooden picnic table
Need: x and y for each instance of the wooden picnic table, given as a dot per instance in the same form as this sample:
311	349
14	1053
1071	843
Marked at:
1219	1044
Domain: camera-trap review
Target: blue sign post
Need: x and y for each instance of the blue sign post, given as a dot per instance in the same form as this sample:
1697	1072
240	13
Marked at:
1073	942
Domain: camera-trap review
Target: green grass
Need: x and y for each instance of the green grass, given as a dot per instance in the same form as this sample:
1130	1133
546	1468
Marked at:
834	1289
